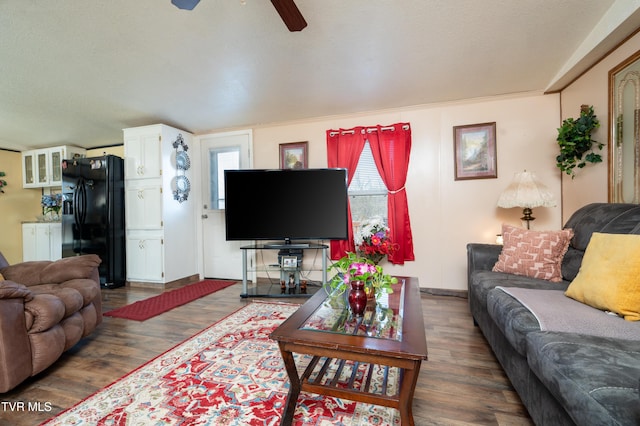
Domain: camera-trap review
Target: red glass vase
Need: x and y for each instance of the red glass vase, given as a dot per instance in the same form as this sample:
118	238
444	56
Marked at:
357	298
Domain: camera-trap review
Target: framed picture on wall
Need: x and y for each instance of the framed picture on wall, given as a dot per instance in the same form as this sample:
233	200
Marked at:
474	151
293	155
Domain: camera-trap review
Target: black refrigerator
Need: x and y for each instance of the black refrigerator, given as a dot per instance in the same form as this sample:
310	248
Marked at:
93	220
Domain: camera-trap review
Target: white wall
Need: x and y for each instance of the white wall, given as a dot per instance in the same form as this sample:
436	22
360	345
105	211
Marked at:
447	214
591	183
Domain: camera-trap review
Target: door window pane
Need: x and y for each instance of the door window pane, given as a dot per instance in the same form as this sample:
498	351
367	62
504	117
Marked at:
220	160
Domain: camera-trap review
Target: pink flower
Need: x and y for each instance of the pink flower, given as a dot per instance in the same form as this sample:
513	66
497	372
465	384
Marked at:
358	268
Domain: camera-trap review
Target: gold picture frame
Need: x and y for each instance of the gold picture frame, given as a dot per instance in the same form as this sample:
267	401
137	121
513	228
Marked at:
294	155
475	151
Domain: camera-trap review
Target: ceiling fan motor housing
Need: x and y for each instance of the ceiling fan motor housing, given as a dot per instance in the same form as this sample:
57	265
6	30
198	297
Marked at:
185	4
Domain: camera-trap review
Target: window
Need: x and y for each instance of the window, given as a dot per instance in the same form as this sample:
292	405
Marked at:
367	192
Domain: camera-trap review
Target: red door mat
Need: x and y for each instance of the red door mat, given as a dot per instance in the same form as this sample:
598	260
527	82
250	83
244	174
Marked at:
148	308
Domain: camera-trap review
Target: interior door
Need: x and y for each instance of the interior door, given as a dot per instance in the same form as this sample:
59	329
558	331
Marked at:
220	152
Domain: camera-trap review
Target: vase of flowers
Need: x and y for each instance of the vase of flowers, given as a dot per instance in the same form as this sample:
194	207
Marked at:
51	205
373	241
353	267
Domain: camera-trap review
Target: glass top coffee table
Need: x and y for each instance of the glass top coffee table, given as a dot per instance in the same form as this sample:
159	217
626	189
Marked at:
373	359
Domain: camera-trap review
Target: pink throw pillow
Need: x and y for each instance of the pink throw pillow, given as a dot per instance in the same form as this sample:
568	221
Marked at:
535	254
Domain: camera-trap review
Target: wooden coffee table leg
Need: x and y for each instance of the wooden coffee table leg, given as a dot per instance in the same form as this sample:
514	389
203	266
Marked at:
294	387
406	394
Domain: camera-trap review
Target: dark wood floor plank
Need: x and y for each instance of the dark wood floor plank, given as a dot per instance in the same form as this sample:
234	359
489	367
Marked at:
461	383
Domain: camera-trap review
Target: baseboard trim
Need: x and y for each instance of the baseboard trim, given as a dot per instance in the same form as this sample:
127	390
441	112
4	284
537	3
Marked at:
463	294
181	282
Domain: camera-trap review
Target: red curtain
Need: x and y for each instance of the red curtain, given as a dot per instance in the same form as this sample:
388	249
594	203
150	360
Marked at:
343	150
391	146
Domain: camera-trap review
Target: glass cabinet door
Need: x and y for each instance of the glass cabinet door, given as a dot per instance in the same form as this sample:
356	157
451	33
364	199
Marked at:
42	169
28	175
56	166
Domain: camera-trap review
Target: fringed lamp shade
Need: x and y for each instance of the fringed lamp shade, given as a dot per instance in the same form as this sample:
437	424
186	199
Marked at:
527	192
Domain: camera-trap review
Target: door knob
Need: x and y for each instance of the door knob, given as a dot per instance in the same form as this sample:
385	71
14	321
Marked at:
204	216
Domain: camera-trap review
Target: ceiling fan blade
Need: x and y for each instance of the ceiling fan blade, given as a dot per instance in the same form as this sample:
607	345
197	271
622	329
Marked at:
290	14
185	4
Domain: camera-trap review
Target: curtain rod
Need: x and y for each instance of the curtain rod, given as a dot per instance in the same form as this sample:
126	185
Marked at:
368	130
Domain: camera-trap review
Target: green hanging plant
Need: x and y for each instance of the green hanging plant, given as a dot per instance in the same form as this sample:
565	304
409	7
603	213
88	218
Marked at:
576	145
3	182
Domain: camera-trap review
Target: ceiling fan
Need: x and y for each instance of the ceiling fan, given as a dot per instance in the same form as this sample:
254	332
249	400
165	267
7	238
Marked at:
287	10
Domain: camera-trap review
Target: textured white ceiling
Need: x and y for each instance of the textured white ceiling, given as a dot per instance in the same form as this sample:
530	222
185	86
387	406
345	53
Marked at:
78	71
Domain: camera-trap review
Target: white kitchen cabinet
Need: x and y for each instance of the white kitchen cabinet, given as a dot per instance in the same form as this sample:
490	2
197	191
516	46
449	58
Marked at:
29	242
143	154
145	257
41	241
42	168
160	230
55	241
143	206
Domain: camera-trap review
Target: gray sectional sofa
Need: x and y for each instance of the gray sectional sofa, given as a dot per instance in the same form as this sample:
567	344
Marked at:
561	377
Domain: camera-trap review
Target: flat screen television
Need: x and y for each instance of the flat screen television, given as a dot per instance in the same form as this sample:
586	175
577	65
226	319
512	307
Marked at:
286	206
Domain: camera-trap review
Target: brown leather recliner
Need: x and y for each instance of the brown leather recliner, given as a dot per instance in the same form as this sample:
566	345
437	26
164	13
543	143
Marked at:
45	308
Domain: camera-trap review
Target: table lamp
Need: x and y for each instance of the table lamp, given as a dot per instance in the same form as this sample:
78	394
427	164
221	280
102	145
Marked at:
526	191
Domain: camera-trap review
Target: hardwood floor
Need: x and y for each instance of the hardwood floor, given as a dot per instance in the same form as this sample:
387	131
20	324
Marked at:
460	384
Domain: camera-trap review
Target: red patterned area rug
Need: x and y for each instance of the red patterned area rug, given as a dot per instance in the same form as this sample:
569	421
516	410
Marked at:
228	374
153	306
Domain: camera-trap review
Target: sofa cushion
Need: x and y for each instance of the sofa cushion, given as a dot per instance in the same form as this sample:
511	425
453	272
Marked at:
484	281
535	254
71	298
514	320
610	218
596	379
88	288
44	271
609	278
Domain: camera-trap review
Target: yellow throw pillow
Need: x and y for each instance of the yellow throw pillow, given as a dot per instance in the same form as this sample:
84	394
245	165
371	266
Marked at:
609	276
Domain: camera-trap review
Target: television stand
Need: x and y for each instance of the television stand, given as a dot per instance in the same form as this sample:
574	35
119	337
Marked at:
281	269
